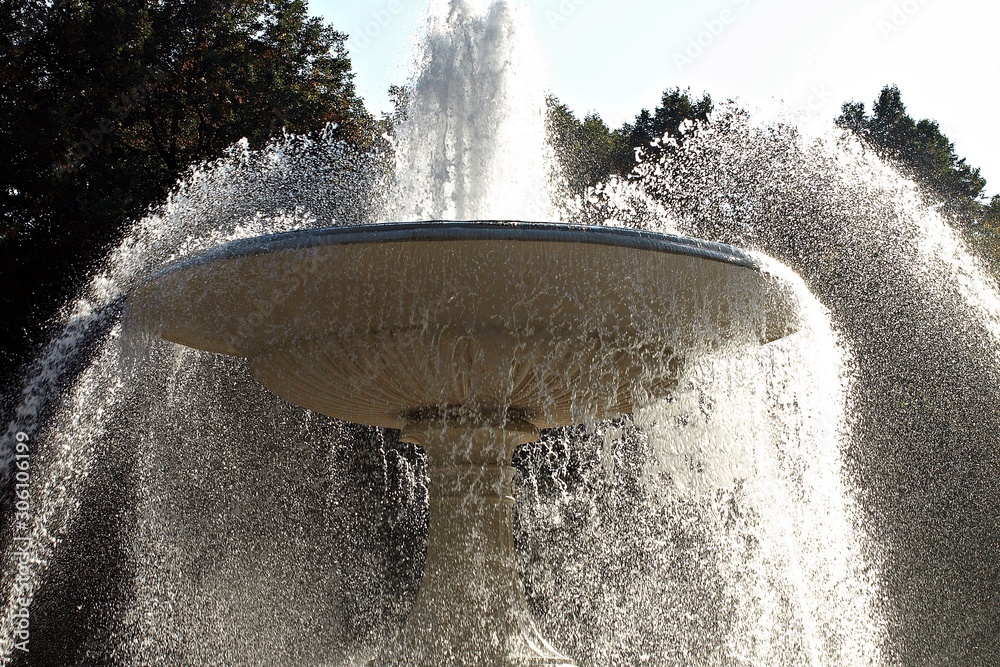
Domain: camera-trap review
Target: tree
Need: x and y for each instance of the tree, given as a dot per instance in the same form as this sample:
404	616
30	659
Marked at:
991	215
989	233
590	152
676	107
105	104
920	150
586	149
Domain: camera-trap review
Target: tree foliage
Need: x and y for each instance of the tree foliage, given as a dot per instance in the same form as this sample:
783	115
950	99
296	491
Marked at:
988	233
105	104
921	150
676	107
586	149
589	151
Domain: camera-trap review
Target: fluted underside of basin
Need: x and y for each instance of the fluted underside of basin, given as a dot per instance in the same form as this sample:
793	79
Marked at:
407	373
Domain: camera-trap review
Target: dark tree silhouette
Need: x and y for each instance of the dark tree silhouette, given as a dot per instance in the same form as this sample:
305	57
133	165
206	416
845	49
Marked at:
104	105
920	150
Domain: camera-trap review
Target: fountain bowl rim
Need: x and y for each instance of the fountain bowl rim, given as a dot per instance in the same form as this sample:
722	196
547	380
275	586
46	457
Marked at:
463	230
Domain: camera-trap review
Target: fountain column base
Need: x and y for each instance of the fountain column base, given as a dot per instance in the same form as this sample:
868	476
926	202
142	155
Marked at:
471	610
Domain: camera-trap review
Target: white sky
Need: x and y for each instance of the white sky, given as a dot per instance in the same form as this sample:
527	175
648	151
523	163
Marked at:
615	57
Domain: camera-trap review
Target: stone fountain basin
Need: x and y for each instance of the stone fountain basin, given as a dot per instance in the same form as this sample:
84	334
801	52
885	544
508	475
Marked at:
388	324
469	337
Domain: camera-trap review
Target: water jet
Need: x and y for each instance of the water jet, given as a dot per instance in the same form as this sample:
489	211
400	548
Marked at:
470	338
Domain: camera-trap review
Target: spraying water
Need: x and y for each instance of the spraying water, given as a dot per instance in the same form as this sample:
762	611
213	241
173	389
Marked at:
473	145
809	503
919	315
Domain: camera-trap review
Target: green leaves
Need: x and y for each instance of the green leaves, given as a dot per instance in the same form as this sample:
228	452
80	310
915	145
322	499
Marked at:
676	107
589	152
105	104
922	152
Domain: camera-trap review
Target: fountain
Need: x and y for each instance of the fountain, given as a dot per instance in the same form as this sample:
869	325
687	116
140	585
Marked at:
469	338
828	499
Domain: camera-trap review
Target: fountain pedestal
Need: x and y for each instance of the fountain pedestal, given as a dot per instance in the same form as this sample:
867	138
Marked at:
471	609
